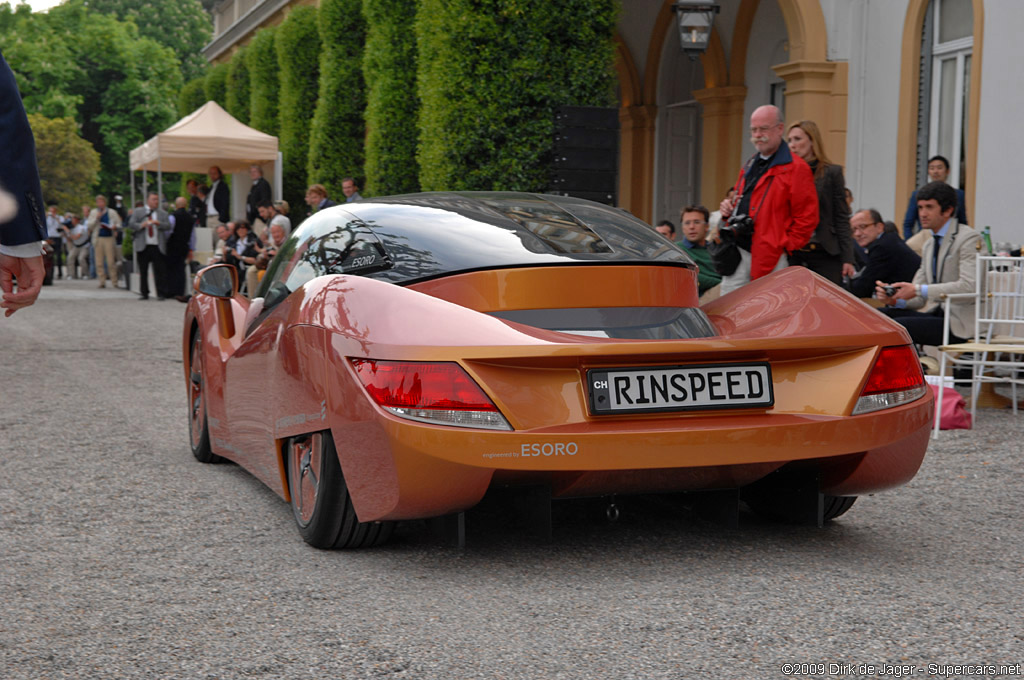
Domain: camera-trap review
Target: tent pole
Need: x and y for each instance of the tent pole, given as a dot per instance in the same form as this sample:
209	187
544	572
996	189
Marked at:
279	176
131	180
160	179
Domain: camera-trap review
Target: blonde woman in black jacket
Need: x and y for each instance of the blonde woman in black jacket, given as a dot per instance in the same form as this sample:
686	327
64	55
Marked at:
830	250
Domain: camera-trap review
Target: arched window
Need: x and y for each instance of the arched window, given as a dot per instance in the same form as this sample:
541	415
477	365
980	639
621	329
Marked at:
947	44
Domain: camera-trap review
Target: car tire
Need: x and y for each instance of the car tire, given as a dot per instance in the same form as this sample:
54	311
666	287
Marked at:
320	501
779	506
837	505
198	427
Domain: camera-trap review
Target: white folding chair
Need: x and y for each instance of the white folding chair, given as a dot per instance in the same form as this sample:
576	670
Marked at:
996	352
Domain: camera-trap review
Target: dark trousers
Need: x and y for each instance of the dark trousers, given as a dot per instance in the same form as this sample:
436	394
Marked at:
925	328
820	262
151	255
58	249
175	275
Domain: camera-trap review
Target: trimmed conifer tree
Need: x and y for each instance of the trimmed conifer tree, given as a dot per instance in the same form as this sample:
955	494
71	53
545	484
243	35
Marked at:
238	95
264	80
216	85
392	104
490	78
337	137
192	96
298	57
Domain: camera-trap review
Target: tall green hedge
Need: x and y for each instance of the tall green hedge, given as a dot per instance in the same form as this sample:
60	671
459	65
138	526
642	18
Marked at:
238	95
216	86
338	134
392	106
192	96
298	55
264	81
491	75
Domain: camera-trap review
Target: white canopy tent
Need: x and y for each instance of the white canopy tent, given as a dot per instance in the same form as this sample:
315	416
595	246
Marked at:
210	136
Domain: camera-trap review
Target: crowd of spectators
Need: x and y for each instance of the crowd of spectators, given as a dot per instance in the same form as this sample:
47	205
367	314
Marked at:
162	236
790	207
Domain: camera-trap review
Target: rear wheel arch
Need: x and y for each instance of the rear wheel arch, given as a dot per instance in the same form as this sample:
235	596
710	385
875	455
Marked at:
321	505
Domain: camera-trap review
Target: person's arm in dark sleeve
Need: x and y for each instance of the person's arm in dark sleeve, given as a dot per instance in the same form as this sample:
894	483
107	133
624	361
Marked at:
878	263
911	217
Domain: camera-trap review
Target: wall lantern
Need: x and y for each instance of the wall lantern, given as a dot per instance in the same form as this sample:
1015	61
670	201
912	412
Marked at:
694	18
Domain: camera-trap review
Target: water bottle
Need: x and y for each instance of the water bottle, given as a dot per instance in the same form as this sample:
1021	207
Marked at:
987	235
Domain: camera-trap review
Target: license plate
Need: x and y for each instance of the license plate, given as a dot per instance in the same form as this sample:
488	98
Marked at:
680	388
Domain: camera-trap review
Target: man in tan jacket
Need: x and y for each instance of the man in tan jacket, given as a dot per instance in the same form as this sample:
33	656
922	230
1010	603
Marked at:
947	266
103	224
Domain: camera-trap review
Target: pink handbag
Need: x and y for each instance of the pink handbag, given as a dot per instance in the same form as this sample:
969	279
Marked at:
954	414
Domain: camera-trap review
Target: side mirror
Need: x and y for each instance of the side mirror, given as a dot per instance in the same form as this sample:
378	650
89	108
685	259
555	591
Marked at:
219	281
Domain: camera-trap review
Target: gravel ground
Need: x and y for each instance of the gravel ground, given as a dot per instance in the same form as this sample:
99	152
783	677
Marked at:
122	557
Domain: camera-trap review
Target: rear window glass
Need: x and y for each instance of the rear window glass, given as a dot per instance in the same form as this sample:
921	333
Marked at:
638	323
343	246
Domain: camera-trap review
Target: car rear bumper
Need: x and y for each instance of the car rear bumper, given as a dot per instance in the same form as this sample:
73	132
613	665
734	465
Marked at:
415	470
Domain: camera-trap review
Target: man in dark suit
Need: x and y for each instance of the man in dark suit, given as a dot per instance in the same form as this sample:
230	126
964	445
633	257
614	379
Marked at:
888	257
218	201
150	226
258	194
177	249
22	221
196	206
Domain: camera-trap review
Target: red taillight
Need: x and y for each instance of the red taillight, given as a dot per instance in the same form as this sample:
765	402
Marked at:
895	379
421	385
896	369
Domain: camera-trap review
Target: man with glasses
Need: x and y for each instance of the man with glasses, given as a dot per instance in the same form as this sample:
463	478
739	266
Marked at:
888	258
776	190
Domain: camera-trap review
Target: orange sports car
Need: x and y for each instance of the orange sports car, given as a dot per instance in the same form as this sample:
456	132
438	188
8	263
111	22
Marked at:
404	355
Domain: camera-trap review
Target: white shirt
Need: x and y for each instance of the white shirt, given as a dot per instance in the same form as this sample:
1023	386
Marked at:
210	209
153	240
77	232
52	226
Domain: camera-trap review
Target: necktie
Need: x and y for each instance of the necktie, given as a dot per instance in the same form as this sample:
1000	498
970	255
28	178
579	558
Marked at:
935	259
151	225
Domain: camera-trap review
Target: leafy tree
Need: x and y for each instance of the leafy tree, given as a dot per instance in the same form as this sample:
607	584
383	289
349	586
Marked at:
43	64
337	138
238	96
264	81
68	165
182	25
389	66
192	96
298	55
124	87
490	78
216	86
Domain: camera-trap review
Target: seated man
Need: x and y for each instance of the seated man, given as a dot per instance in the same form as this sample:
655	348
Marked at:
888	257
947	266
694	219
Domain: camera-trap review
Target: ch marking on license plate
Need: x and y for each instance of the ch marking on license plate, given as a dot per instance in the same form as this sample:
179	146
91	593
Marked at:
680	388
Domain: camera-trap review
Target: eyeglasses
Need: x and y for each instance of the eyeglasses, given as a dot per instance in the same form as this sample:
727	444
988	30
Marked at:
763	129
862	227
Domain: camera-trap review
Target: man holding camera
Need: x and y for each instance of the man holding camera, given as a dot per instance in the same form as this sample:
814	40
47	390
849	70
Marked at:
776	211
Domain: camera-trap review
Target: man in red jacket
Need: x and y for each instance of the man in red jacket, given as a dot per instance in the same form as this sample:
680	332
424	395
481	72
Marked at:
777	190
